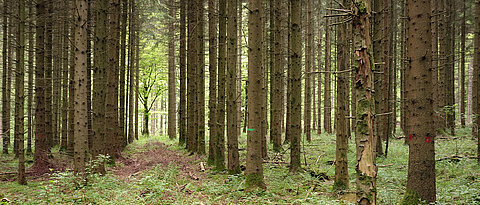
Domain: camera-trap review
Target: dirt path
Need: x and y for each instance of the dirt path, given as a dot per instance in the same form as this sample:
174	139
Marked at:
156	153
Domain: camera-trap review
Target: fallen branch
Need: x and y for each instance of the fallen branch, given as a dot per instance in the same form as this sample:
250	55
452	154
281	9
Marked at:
385	165
202	167
193	176
456	157
275	162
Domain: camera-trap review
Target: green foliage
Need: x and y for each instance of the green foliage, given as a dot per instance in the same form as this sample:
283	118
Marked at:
457	180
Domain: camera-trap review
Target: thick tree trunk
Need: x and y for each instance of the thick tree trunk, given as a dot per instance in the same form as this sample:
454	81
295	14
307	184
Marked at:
419	112
41	146
81	128
277	75
365	110
254	167
48	74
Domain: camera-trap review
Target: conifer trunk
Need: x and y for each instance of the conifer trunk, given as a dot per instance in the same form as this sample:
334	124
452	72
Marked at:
20	92
172	82
212	69
182	124
296	83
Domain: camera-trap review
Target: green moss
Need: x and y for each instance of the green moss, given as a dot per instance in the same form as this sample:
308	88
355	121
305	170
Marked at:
254	181
411	197
339	186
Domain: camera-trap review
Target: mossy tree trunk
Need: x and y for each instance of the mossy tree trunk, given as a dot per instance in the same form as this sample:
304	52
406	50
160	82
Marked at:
419	112
365	106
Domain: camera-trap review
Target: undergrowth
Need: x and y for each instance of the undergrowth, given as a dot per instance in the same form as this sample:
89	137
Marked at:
458	180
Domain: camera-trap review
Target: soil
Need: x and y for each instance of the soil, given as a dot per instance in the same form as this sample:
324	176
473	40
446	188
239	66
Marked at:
156	153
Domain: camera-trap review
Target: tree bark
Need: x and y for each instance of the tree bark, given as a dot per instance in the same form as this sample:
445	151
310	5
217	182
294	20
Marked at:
462	67
212	69
5	90
476	77
81	128
122	72
20	93
182	110
232	134
341	160
419	112
191	81
308	73
31	52
254	166
296	96
172	82
365	107
327	101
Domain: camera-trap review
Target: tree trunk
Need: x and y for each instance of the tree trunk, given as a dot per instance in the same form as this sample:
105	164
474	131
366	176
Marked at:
220	110
419	112
122	68
341	160
276	79
476	77
462	67
191	81
182	124
380	68
319	59
232	134
172	82
48	74
450	66
307	118
254	166
5	98
296	95
137	70
365	110
41	146
99	80
71	91
239	67
200	111
212	69
31	51
443	61
20	93
81	128
327	101
131	71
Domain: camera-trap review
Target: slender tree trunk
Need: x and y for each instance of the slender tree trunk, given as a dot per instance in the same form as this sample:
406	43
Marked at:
254	166
212	69
327	101
450	66
462	67
220	111
296	96
476	77
341	165
307	118
276	79
319	59
137	71
443	61
48	73
419	110
182	124
20	93
365	110
379	71
5	98
31	52
172	82
122	68
239	67
131	47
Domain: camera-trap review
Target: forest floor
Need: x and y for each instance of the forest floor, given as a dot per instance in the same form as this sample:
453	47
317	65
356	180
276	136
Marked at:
154	170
